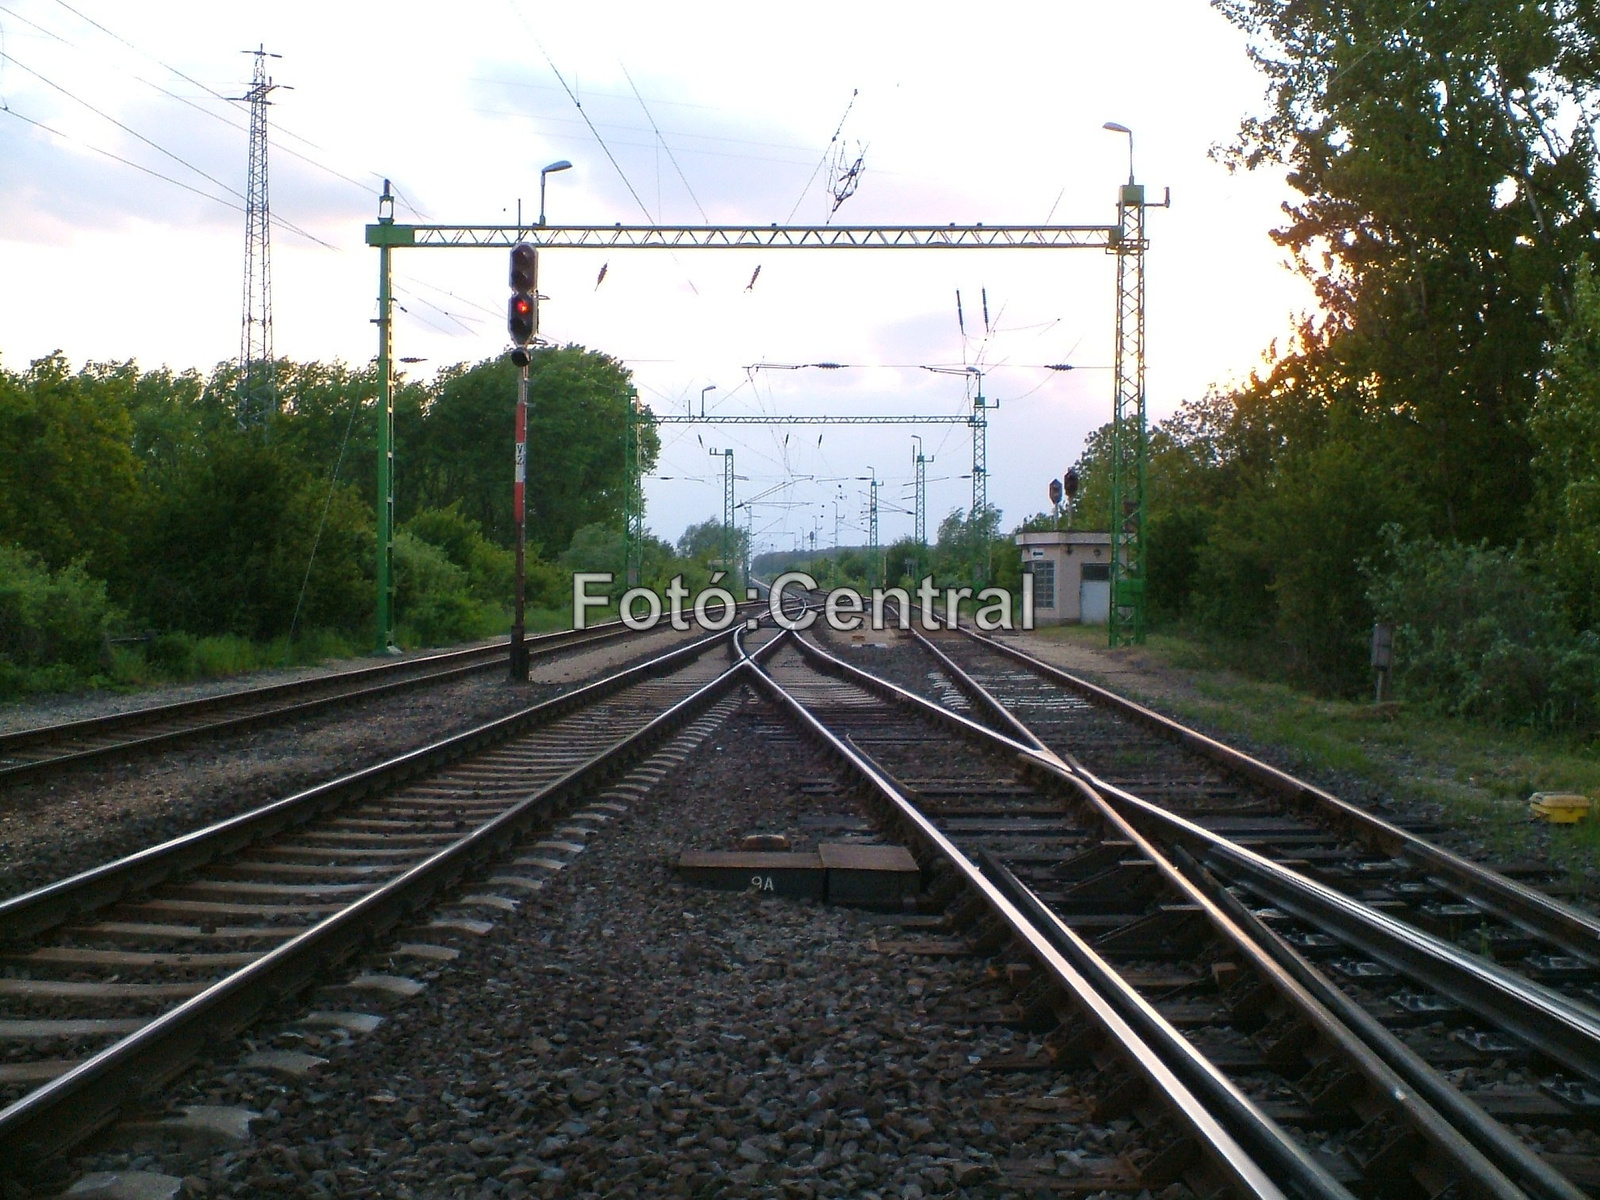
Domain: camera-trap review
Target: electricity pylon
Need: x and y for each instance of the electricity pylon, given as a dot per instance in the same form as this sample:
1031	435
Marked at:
256	398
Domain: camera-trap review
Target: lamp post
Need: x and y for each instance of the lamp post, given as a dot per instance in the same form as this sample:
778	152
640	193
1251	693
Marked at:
563	165
710	387
1116	128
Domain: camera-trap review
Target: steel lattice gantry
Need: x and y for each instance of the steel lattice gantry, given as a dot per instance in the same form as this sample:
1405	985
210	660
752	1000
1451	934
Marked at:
1125	239
1129	434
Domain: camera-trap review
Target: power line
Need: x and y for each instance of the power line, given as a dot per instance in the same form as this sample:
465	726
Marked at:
127	162
578	104
101	113
230	100
177	158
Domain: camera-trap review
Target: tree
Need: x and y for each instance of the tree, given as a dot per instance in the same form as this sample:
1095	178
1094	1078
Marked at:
709	542
69	484
1565	426
229	535
578	406
1447	180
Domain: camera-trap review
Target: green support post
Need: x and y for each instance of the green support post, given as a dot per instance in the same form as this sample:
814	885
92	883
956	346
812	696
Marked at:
633	496
385	321
1129	436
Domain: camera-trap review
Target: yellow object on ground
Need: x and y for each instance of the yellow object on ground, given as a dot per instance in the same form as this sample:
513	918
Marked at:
1563	808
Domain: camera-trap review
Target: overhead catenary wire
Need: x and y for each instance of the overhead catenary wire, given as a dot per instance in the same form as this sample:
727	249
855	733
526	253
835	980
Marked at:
671	157
827	154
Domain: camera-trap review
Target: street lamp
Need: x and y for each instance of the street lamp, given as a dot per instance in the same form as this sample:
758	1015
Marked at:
563	165
1115	128
710	387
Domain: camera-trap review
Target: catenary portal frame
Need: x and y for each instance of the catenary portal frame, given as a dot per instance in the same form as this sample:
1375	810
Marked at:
1125	239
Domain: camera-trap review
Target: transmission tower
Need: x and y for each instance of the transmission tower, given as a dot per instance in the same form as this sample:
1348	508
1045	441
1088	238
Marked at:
257	397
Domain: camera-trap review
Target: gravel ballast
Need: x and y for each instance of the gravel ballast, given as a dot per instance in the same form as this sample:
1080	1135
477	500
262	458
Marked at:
624	1034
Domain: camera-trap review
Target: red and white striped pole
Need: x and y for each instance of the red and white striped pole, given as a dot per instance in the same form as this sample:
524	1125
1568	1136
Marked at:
519	647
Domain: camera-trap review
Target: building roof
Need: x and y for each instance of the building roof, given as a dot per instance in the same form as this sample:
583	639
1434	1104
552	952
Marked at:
1063	537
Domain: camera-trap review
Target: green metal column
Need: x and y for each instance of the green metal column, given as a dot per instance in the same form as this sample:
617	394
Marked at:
633	495
872	529
729	530
1129	438
385	632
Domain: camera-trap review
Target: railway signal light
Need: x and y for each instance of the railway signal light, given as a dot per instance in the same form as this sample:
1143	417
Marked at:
1055	491
1069	485
521	317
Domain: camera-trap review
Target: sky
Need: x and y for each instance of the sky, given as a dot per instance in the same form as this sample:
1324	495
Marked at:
123	160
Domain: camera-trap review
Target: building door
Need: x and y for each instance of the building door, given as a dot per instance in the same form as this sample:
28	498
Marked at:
1094	594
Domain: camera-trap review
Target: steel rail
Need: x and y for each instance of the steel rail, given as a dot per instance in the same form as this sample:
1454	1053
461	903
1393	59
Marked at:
1485	1178
75	1104
1575	931
53	904
428	670
1222	1145
1562	1029
1491	1137
1479	1146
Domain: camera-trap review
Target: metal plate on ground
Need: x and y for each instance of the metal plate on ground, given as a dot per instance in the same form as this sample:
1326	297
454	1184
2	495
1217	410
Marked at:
781	874
870	876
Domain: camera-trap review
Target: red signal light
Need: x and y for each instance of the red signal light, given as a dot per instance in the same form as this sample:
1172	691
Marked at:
521	317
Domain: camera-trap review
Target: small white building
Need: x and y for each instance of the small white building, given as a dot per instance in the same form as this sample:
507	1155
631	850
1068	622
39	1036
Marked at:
1071	576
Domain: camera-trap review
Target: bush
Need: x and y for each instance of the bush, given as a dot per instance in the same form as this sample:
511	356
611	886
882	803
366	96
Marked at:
490	569
228	537
433	601
53	624
1478	634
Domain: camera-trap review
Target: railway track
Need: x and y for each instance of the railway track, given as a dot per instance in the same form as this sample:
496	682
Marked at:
34	753
115	979
1193	1006
1490	967
1344	1086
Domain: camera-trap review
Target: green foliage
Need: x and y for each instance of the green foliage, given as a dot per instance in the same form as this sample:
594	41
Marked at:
68	477
433	598
708	542
182	656
578	402
143	485
1478	634
1279	561
963	540
228	538
490	570
1565	425
1446	185
53	624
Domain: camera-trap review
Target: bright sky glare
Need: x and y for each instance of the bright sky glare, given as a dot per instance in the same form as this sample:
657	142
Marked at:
714	112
